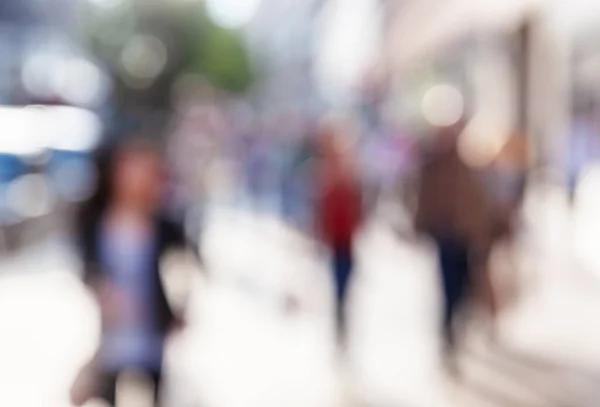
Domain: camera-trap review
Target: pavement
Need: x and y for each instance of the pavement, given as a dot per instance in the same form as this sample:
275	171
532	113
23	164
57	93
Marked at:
259	331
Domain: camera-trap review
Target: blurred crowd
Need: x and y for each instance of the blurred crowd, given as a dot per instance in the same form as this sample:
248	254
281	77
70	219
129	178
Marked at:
124	141
325	179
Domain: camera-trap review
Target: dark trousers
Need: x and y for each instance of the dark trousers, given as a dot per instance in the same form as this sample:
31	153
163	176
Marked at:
572	184
343	264
455	273
108	387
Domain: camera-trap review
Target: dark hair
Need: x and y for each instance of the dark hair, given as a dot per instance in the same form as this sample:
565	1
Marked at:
104	161
90	210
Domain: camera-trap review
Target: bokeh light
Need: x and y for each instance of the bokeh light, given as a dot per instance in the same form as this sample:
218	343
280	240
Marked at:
442	105
144	59
232	13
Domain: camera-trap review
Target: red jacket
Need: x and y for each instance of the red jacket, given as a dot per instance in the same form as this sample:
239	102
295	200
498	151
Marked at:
339	212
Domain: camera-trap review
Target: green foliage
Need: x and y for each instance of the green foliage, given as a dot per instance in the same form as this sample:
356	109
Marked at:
195	43
223	60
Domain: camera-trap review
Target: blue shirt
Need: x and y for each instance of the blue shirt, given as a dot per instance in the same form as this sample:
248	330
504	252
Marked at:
135	342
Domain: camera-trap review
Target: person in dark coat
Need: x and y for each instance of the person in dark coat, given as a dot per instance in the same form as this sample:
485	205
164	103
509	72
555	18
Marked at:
123	234
452	209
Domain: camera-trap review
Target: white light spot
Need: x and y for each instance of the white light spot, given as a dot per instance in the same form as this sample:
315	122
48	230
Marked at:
29	196
76	80
42	73
481	141
232	13
84	85
21	131
107	3
144	59
73	129
442	105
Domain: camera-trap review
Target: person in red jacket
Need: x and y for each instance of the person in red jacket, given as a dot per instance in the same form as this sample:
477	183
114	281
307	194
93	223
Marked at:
339	215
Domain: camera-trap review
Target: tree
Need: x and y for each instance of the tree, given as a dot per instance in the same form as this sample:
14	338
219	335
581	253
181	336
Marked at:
223	60
194	45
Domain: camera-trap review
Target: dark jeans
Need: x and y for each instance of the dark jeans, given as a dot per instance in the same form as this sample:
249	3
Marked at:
343	264
455	272
108	387
572	184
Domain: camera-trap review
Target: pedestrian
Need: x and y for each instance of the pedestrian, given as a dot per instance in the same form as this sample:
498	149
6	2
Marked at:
583	151
123	234
451	209
297	182
339	215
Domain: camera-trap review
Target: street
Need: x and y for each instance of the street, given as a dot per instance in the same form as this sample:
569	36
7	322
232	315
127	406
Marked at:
259	332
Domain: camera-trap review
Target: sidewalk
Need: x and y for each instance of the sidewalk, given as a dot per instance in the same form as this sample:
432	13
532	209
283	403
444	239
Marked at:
245	348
